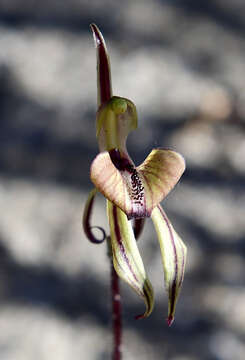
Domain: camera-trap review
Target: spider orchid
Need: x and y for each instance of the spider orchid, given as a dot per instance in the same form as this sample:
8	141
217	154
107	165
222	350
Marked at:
133	192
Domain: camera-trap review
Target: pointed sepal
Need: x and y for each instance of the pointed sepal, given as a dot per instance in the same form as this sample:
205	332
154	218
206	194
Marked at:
173	256
137	190
104	87
126	257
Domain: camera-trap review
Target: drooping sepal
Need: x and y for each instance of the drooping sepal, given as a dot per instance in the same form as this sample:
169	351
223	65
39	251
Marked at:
87	213
173	256
126	257
136	190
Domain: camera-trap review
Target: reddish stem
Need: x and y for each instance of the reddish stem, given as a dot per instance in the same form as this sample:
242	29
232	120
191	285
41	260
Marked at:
116	314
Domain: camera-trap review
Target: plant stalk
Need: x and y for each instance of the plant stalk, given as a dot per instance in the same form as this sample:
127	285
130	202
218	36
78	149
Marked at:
116	314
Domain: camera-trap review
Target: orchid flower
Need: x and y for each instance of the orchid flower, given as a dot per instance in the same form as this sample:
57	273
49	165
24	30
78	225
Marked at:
133	192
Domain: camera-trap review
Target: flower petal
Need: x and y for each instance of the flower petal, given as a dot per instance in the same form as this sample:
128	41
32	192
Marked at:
126	257
160	172
173	256
115	184
136	191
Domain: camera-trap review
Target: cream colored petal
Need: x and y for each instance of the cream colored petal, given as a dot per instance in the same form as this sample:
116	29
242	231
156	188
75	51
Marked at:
136	191
160	172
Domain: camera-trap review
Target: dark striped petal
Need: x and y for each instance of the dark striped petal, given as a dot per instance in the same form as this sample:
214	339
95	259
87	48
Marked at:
136	191
126	257
173	256
87	213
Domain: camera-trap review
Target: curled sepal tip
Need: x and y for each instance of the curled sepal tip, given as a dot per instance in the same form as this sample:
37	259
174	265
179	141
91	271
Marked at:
126	257
173	256
137	190
87	218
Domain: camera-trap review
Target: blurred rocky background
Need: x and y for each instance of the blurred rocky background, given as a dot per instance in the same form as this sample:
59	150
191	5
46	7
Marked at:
183	64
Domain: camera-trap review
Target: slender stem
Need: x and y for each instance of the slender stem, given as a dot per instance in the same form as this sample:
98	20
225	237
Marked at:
116	314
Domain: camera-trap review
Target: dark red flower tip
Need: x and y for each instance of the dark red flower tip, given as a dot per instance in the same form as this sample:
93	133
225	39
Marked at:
103	66
170	320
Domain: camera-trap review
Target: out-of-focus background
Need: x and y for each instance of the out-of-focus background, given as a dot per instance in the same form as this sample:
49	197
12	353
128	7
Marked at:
183	64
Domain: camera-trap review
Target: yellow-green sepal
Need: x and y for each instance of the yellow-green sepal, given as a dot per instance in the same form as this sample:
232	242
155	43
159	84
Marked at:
173	252
115	120
126	257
